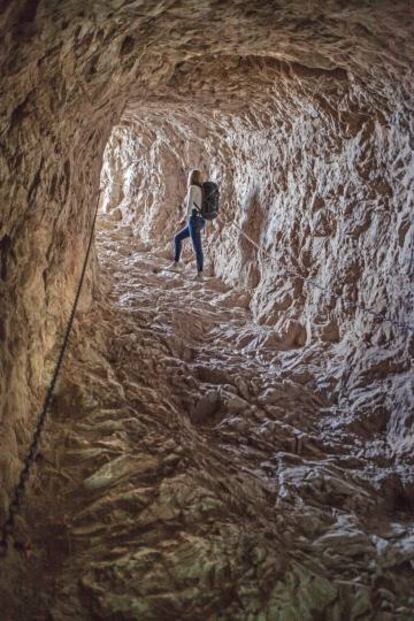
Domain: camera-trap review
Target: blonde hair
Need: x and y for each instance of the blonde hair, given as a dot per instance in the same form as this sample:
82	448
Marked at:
194	177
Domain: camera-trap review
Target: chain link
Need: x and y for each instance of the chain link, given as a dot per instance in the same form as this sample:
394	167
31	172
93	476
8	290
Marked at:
15	504
18	493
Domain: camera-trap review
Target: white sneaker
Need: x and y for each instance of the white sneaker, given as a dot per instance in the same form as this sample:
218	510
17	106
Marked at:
199	276
175	267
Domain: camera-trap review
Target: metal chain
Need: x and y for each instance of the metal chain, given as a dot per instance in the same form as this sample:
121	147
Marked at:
15	504
402	326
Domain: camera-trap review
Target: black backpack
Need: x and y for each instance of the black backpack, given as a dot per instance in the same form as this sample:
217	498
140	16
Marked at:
210	205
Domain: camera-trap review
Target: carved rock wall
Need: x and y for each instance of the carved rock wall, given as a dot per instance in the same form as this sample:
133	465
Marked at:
324	184
303	114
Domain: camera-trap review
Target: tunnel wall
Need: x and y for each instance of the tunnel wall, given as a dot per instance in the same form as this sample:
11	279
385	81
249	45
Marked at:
326	192
324	183
67	75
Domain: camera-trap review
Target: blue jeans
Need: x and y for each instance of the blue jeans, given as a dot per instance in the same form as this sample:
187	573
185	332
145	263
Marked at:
193	230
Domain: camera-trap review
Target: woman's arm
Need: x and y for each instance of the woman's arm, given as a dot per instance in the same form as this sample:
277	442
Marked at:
188	202
194	198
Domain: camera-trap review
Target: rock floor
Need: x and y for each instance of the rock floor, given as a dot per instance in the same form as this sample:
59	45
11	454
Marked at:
190	469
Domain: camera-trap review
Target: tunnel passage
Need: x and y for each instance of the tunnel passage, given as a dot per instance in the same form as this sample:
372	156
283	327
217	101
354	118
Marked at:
302	114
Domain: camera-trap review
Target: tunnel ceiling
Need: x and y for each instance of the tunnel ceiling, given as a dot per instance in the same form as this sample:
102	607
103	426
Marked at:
303	114
125	51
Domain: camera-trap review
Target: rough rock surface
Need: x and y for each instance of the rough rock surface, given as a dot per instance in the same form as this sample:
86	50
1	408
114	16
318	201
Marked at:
198	475
303	114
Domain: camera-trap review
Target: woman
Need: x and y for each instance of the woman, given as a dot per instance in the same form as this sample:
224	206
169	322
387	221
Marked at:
194	224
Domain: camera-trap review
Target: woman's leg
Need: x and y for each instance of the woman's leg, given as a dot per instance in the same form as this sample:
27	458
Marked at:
196	224
177	242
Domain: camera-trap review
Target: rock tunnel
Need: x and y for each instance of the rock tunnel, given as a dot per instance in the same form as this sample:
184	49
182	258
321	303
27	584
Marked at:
240	447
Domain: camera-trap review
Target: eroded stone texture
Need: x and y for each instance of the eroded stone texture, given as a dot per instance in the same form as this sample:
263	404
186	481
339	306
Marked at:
199	474
315	185
303	113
